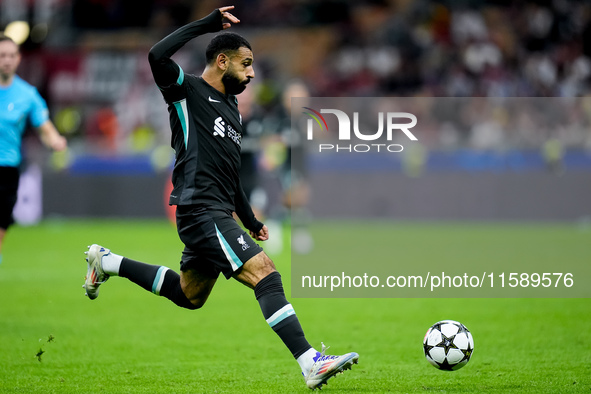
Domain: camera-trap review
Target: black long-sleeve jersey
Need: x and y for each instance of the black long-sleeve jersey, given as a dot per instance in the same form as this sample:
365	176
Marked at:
206	130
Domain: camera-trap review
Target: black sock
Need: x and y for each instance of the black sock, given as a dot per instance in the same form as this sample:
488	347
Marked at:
280	314
159	280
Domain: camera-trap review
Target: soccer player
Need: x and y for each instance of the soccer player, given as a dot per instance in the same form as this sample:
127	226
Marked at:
20	104
206	135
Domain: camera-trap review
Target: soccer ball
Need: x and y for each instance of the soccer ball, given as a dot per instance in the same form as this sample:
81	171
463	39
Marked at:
448	345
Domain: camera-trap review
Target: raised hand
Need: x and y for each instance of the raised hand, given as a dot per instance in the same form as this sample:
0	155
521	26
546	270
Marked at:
262	235
228	16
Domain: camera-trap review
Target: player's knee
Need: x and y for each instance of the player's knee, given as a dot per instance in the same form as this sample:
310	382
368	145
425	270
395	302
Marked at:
194	300
255	269
266	268
195	304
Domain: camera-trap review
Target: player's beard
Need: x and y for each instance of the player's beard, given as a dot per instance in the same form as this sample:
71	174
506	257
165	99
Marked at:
232	83
6	75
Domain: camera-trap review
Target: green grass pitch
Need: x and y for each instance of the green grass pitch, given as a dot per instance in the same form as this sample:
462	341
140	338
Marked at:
55	340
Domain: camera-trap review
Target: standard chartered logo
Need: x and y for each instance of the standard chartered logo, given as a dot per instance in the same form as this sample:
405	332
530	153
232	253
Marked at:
220	127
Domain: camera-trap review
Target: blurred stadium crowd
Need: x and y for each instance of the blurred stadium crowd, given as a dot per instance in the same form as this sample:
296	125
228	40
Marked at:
87	57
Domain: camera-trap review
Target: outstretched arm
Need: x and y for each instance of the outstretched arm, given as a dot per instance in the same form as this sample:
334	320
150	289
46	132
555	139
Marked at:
244	211
261	235
51	137
166	72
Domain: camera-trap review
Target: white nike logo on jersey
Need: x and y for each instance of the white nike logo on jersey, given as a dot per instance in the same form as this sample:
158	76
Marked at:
213	101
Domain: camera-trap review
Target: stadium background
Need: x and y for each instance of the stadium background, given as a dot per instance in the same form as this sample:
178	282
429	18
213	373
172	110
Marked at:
88	59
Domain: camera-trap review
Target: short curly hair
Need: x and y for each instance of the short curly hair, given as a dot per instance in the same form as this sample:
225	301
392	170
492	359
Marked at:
225	42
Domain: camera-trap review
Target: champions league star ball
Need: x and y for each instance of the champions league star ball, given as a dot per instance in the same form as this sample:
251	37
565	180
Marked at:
448	345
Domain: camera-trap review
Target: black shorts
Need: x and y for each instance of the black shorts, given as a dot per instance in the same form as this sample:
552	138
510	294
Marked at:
214	242
8	193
